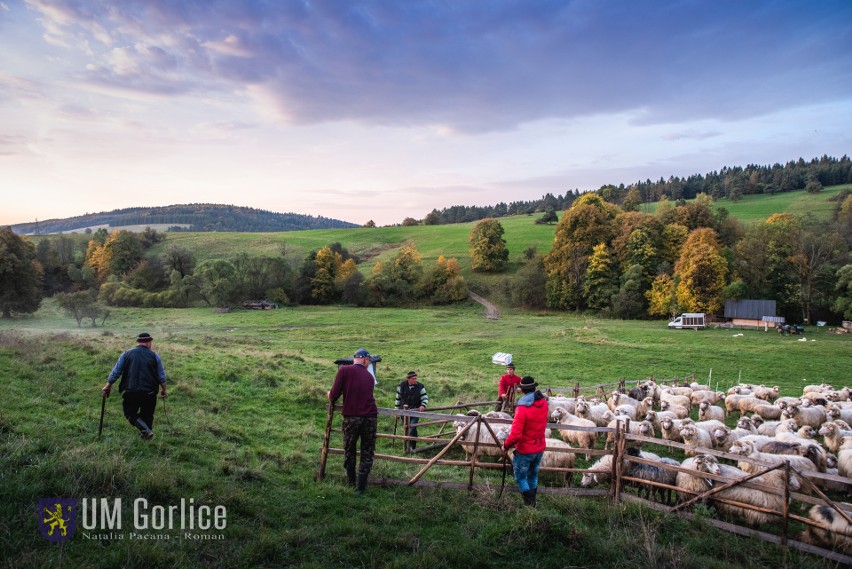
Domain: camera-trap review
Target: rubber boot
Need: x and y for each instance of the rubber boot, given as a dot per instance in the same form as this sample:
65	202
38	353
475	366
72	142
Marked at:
534	492
362	482
529	498
147	433
350	474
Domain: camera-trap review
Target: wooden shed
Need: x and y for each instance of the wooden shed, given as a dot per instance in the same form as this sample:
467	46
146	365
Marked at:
752	313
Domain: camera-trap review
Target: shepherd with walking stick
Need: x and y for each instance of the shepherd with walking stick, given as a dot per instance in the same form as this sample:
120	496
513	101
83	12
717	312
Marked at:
141	372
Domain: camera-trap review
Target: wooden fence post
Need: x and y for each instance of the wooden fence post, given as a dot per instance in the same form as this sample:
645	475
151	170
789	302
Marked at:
785	520
406	427
326	439
475	451
576	390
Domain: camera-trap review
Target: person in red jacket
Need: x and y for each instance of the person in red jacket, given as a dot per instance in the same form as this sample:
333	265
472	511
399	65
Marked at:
506	387
527	436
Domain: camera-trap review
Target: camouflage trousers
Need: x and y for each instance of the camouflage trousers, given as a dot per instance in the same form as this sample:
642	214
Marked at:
363	428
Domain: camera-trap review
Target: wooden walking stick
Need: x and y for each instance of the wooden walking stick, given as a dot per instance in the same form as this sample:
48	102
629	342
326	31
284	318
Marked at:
103	409
325	440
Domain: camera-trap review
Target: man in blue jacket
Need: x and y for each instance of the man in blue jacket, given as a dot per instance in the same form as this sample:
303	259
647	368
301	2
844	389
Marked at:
141	372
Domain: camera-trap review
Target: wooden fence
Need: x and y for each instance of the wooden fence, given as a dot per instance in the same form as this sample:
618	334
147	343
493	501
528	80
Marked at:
446	438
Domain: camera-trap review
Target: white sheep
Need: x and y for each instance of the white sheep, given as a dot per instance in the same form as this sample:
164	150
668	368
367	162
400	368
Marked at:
617	398
771	499
681	411
709	425
670	429
707	411
768	428
552	459
813	416
834	436
732	402
817	388
625	410
834	533
642	428
750	450
695	438
579	438
684	391
598	413
835	411
560	401
767	411
711	397
766	393
667	395
747	424
470	437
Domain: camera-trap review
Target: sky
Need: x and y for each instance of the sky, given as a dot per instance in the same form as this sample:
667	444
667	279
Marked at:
381	110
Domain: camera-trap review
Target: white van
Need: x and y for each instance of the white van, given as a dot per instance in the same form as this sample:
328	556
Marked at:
694	320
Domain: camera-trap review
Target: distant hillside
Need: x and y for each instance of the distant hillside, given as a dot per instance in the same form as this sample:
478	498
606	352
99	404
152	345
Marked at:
187	217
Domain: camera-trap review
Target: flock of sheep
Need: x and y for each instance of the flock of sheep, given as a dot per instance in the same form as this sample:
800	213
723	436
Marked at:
771	430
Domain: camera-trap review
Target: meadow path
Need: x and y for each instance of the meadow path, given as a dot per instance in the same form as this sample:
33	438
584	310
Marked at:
491	311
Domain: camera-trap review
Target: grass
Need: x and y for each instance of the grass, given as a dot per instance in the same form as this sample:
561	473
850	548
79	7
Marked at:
247	410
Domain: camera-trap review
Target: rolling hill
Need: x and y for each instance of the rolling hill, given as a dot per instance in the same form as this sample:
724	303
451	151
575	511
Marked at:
186	217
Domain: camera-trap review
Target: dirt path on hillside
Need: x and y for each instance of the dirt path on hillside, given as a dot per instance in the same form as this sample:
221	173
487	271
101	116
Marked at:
491	311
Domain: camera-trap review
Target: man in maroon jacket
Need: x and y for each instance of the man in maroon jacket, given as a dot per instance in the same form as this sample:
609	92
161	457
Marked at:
527	435
360	416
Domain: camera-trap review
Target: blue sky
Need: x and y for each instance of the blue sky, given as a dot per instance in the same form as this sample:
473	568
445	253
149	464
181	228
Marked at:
383	109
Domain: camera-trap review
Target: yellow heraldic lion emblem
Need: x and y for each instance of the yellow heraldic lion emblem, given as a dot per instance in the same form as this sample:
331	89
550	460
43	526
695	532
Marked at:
57	517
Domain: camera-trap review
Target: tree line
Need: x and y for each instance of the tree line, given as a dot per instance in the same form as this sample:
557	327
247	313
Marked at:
117	269
730	182
683	258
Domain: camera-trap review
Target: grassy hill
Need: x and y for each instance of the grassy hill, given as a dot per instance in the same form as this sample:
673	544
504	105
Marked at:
246	415
758	207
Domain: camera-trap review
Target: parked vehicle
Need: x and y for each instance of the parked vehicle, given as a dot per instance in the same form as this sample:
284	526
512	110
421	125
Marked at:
694	320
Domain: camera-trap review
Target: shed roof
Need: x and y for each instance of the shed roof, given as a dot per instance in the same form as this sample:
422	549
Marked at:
749	309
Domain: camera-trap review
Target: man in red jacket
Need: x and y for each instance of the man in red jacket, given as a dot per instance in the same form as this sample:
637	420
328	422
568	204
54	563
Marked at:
527	435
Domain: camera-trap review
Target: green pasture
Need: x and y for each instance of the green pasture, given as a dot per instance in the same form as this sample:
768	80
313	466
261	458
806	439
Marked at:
759	207
246	414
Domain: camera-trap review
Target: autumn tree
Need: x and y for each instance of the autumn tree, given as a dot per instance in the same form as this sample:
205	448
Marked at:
487	247
20	274
601	279
444	283
662	299
701	271
587	223
397	280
